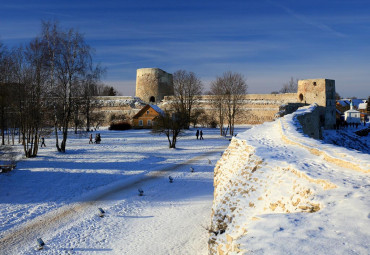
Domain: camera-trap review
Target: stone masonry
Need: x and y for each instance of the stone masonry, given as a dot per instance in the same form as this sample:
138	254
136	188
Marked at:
153	84
321	92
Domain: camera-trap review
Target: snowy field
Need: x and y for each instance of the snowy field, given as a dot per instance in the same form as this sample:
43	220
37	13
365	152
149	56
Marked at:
56	196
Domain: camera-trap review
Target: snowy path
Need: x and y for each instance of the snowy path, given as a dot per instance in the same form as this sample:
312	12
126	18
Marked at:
341	224
171	218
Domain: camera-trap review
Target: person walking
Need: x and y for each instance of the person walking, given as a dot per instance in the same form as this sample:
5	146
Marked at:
97	138
43	142
197	134
201	135
91	141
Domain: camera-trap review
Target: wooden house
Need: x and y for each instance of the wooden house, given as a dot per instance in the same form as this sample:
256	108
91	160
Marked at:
145	117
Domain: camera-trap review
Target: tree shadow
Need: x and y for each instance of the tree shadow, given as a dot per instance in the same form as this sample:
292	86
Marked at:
85	249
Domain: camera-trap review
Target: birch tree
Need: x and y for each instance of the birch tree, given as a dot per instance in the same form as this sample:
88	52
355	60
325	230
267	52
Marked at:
69	60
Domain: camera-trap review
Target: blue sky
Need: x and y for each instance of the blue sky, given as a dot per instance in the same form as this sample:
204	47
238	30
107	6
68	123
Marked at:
267	41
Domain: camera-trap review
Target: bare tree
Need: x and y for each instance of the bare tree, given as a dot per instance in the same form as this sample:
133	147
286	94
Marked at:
187	86
32	97
51	35
7	99
171	124
196	116
218	102
228	91
90	90
69	59
290	87
4	97
4	102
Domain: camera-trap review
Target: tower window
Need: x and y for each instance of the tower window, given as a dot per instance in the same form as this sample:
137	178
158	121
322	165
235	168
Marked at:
314	83
152	99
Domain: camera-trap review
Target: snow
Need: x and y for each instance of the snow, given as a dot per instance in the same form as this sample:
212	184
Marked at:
300	195
362	106
56	196
157	109
272	175
347	102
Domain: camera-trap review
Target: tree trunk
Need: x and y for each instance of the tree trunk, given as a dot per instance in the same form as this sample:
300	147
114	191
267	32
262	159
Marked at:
56	130
88	116
2	126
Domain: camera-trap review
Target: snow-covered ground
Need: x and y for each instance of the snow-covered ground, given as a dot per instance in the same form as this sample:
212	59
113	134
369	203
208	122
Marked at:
280	192
56	196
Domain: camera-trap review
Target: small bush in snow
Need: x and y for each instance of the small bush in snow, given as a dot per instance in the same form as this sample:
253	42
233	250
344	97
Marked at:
141	192
120	126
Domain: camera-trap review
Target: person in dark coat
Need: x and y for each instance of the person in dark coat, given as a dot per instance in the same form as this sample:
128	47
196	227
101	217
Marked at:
97	138
197	134
91	141
201	135
43	142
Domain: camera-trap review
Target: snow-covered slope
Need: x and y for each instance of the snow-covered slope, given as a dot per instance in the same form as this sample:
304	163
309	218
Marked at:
280	192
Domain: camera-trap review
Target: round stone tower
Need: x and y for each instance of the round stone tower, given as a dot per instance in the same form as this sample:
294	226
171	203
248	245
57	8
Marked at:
153	84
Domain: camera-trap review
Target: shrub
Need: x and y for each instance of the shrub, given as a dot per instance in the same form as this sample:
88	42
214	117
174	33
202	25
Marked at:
212	124
120	126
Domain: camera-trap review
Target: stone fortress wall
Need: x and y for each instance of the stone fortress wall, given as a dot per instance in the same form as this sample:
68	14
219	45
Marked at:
155	86
255	108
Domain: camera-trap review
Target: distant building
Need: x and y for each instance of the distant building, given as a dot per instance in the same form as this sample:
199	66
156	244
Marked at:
145	117
352	115
364	109
343	105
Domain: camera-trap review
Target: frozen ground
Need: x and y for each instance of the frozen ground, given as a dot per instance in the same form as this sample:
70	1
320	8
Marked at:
56	196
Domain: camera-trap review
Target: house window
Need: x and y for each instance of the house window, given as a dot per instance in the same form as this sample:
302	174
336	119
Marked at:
147	112
140	123
149	122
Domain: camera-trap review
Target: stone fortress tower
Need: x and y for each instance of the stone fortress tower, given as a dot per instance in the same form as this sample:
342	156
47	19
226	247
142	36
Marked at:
321	92
153	84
